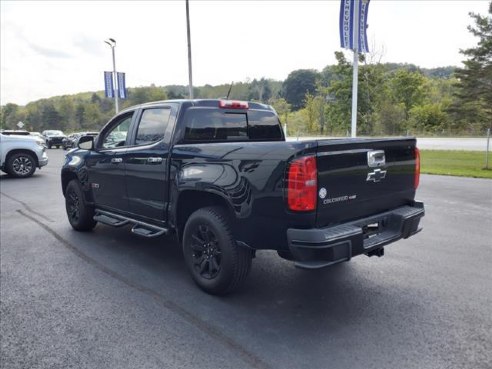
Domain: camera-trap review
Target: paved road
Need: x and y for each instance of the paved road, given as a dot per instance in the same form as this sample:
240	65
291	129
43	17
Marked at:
108	299
469	144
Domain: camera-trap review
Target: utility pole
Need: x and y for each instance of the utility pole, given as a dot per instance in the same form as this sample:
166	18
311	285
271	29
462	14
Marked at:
190	85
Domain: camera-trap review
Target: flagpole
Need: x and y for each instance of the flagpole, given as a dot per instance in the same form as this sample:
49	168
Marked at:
355	79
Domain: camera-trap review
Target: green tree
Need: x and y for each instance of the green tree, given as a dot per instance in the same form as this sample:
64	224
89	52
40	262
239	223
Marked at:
407	88
50	117
429	118
66	109
472	105
298	84
390	119
9	116
92	118
282	107
315	112
260	90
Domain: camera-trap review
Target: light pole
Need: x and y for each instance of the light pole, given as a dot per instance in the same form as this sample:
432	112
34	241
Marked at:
190	85
112	44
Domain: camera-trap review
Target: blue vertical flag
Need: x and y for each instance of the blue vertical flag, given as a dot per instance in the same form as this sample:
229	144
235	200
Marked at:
363	11
347	24
108	84
121	85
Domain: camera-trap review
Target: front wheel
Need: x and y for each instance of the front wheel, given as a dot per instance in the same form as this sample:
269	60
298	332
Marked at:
21	165
80	215
217	264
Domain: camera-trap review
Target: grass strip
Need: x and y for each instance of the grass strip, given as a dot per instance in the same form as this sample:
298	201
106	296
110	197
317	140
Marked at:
455	163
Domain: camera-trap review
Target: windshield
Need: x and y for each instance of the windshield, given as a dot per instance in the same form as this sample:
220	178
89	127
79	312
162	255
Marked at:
54	133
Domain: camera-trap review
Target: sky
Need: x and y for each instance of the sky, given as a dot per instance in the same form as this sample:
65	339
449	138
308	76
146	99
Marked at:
57	48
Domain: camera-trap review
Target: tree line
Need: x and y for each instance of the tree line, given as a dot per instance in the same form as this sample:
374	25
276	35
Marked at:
393	99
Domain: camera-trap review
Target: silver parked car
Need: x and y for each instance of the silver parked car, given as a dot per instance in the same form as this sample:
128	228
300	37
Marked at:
21	155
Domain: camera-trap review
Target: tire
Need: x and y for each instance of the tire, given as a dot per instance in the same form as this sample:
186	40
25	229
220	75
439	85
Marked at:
216	263
49	146
80	215
21	165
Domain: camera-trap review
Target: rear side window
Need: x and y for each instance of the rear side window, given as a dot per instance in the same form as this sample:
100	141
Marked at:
152	126
215	125
264	125
218	125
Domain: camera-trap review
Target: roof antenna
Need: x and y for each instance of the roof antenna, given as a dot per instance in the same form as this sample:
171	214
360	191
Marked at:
229	92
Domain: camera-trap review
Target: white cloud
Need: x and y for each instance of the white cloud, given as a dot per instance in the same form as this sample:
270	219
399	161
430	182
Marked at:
54	48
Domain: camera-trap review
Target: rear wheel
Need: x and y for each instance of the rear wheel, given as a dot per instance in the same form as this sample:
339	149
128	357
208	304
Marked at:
80	215
21	165
217	264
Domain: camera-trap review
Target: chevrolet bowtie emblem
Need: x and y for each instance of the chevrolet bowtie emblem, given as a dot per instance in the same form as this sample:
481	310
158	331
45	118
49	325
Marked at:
376	176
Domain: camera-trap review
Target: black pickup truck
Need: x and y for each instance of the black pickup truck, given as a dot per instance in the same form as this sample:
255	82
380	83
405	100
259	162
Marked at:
219	175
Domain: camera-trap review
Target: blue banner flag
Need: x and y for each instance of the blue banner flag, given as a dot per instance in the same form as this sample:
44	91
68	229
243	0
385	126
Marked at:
347	24
347	8
363	11
108	84
121	85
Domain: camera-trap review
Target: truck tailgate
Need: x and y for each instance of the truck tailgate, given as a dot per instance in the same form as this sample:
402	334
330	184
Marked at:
362	177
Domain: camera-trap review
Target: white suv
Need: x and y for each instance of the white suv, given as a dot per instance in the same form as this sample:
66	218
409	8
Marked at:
20	155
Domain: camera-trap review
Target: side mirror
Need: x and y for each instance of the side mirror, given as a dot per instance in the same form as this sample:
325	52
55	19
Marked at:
86	143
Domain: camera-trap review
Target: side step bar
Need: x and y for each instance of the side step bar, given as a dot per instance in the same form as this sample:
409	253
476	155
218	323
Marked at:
139	228
110	220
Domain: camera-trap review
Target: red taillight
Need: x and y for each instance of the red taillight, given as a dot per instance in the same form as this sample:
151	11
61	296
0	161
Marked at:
233	104
302	184
417	168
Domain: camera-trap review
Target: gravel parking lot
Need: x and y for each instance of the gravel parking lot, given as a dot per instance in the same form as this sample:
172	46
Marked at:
108	299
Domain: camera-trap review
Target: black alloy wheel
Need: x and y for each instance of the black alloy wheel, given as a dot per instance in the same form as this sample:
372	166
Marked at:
80	215
206	252
216	262
73	206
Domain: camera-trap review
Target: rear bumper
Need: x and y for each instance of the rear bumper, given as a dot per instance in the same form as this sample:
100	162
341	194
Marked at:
317	248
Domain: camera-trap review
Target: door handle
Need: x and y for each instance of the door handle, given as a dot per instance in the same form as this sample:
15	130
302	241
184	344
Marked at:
116	160
154	160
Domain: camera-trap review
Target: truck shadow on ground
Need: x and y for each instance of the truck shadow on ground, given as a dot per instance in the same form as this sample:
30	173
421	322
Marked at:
276	295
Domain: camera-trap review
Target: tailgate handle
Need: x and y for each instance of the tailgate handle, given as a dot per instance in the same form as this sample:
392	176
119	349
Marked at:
376	158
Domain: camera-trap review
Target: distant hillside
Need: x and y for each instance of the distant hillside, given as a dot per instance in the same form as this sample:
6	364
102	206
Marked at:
91	110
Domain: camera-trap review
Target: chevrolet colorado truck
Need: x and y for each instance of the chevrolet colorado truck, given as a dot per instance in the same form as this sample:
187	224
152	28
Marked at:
219	175
20	155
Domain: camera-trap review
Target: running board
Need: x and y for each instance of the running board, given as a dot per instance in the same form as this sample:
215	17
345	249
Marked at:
110	220
148	232
139	228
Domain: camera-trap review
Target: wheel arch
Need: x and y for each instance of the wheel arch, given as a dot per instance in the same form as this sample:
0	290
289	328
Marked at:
66	177
191	200
22	151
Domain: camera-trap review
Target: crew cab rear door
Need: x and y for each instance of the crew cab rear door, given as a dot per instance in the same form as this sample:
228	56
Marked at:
146	162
